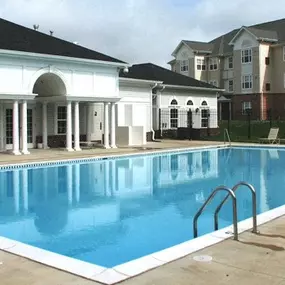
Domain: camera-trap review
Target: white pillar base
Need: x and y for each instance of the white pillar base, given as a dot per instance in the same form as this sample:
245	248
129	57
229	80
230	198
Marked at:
16	152
69	149
114	146
77	149
25	152
46	147
106	146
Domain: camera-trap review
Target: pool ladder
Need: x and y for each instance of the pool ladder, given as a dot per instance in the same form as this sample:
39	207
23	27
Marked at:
231	193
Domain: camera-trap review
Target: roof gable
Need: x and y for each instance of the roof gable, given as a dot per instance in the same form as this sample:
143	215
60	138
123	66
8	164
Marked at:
179	47
257	34
19	38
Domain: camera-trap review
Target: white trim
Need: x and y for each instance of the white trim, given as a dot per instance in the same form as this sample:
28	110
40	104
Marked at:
243	81
45	70
249	55
194	88
127	79
42	56
174	53
238	33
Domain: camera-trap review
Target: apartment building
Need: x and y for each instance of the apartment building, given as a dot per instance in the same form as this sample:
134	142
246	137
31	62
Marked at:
249	63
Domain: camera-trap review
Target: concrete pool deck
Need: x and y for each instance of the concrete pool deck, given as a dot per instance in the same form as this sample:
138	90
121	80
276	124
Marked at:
255	259
60	154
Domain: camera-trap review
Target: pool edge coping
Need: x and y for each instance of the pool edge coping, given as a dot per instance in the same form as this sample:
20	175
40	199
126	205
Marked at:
135	267
55	162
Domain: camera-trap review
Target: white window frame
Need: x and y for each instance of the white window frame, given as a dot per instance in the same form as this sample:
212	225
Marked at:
284	53
231	85
245	106
230	62
246	56
184	65
213	63
205	121
246	79
57	119
201	64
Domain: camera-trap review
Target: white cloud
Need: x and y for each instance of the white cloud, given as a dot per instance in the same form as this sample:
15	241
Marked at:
139	30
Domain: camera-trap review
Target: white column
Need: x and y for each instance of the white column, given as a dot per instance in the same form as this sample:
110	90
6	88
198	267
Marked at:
45	126
24	132
69	127
106	125
76	127
113	126
16	128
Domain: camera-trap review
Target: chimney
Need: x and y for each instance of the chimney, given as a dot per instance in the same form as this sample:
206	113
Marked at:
51	33
36	27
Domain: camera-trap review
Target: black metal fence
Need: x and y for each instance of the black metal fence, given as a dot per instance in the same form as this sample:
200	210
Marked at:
200	124
184	123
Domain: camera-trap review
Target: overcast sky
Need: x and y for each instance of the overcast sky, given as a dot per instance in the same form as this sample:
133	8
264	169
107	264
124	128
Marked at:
139	30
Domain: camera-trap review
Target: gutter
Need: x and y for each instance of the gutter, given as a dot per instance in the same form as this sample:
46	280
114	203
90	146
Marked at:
13	53
194	88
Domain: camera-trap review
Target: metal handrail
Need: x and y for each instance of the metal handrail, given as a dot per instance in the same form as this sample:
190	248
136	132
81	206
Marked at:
234	199
226	134
253	192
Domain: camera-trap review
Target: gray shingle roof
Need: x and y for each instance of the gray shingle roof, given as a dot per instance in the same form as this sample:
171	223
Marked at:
19	38
150	71
263	34
274	30
199	46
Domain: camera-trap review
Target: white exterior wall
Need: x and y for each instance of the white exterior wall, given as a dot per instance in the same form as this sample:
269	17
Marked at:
134	107
182	98
19	75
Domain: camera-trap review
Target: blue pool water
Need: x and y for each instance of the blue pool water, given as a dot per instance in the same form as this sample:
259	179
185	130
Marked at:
109	212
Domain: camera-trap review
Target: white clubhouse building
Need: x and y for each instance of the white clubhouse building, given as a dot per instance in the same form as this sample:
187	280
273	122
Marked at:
54	93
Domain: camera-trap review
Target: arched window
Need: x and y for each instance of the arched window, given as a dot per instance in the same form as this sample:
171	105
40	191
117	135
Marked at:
174	102
190	103
174	115
204	103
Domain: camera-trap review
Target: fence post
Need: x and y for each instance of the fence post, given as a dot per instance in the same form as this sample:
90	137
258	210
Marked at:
249	123
269	115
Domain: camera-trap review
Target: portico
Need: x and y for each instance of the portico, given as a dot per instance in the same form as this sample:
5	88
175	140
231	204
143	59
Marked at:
74	112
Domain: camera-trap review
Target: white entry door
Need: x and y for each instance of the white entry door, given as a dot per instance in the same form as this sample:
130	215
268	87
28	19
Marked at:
9	128
95	122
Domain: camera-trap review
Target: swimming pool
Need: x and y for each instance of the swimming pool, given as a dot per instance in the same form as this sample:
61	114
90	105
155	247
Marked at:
111	211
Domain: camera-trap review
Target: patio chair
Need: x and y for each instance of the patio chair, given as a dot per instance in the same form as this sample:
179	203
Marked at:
272	136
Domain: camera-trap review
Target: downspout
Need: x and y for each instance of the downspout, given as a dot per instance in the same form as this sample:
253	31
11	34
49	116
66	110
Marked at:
151	114
163	87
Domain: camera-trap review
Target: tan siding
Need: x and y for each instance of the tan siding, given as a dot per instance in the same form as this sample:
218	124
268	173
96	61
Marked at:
278	69
192	67
237	71
255	70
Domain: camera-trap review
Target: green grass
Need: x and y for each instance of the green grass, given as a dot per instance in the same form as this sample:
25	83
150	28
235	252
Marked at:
238	130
